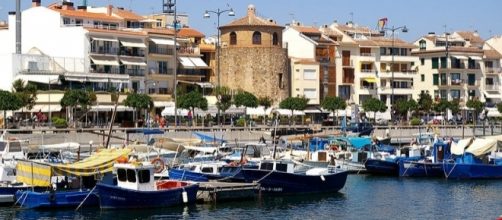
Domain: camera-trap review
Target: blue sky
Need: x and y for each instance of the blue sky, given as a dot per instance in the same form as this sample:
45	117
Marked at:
421	16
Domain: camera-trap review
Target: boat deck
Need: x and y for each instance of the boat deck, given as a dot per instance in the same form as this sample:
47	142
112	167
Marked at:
224	191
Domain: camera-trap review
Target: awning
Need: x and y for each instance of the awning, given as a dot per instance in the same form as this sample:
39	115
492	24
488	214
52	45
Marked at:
104	39
187	62
105	61
258	111
44	79
132	43
42	108
493	113
482	146
31	173
460	57
287	112
132	62
475	58
160	41
205	84
109	108
169	111
158	104
97	77
492	94
199	63
98	163
370	79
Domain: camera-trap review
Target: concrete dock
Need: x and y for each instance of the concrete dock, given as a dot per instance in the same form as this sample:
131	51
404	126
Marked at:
223	191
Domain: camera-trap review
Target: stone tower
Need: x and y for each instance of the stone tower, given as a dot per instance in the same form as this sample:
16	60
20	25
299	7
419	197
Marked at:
252	57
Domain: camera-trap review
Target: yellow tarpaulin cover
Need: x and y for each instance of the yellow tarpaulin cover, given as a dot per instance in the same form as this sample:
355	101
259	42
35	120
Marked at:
32	173
100	162
370	79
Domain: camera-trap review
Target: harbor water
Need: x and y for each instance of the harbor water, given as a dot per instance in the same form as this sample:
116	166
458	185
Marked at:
364	197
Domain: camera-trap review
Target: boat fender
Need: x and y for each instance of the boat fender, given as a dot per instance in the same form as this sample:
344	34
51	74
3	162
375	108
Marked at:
322	178
185	196
158	164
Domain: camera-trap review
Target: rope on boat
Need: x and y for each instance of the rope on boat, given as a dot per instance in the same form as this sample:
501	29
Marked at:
268	174
25	193
85	198
444	170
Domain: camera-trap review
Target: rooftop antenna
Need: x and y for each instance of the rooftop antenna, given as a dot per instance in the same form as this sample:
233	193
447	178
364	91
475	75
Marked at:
351	17
84	3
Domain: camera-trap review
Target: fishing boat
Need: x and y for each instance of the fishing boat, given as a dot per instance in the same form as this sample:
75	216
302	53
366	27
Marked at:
475	158
67	185
285	177
136	188
431	166
197	171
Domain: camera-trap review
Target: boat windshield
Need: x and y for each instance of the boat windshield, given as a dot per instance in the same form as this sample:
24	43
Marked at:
2	146
15	147
144	176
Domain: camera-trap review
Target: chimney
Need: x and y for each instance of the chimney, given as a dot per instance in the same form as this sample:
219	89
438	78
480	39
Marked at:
109	10
68	5
251	10
82	8
36	3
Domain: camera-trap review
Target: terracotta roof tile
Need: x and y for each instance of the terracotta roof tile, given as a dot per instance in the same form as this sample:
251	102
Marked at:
85	14
162	31
306	30
330	32
251	20
471	36
97	30
190	32
127	15
492	54
357	29
207	47
306	61
384	42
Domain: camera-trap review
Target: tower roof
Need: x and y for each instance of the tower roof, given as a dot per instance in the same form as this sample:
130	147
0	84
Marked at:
251	19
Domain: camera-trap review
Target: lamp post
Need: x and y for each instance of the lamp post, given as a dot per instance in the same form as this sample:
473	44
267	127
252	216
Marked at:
218	12
393	29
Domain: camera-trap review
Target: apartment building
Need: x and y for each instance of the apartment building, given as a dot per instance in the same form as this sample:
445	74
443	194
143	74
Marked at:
312	60
371	64
458	66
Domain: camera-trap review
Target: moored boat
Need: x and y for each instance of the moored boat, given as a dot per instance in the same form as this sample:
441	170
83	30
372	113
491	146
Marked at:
136	188
432	166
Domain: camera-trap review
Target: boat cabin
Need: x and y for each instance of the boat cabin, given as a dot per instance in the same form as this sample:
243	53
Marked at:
206	168
11	150
277	165
135	176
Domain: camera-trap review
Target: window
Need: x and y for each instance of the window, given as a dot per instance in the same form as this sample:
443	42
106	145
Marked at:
207	170
422	61
472	93
275	39
144	176
422	77
310	93
435	79
267	166
404	52
159	22
444	94
455	79
471	79
443	79
344	92
2	146
79	22
281	167
15	147
162	67
489	81
233	38
422	45
383	51
121	175
455	94
131	176
66	21
281	85
443	62
435	63
309	74
257	38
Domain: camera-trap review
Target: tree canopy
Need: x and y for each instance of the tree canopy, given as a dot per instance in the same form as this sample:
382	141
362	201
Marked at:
332	104
441	106
475	104
192	100
374	105
425	102
76	97
139	101
403	106
26	92
294	103
499	107
245	99
9	101
265	101
224	98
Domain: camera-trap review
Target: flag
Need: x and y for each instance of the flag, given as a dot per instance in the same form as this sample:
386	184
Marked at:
381	23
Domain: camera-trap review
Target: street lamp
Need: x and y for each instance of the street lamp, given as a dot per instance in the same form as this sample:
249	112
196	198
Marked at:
393	29
218	12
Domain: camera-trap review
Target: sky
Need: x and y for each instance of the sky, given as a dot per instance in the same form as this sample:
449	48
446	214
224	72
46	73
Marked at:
420	16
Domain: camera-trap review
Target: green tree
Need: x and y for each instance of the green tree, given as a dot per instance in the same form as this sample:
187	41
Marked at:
9	102
223	94
74	98
425	103
26	92
374	105
294	103
192	100
332	104
441	107
477	107
402	107
246	99
265	101
136	101
454	107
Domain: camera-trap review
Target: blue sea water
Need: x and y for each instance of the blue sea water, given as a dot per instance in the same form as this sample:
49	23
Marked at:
364	197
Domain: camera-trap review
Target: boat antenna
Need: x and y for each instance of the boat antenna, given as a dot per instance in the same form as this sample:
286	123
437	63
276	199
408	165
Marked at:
275	135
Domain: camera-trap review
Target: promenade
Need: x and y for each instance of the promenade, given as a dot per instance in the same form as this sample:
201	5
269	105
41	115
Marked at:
399	134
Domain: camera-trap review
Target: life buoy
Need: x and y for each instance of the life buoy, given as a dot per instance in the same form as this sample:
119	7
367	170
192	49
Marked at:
158	165
334	148
122	159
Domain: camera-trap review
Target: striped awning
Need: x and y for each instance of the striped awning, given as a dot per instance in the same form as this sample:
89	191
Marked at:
31	173
101	162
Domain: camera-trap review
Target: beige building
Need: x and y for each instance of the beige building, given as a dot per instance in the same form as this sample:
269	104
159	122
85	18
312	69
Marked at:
458	66
252	57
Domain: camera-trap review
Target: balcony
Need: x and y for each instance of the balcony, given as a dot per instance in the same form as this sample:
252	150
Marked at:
491	70
105	50
161	51
348	63
161	71
139	53
388	58
473	84
387	90
105	70
188	50
457	82
492	87
474	66
134	72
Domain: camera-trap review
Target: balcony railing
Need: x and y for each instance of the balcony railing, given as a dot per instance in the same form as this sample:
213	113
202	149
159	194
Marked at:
367	70
189	50
492	70
134	72
367	54
472	83
457	82
162	71
102	70
492	86
160	50
132	54
104	50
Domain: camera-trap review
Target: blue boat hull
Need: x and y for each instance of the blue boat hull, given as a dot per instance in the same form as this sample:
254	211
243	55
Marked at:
382	167
51	200
472	171
113	197
420	169
7	193
280	183
187	175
